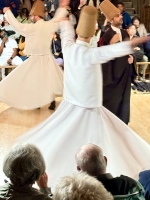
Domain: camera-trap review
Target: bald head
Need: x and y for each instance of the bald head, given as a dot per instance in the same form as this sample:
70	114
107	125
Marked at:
90	159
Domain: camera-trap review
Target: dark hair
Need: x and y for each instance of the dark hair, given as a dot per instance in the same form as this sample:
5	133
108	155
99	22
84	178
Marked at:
24	11
136	18
129	25
121	3
57	36
22	38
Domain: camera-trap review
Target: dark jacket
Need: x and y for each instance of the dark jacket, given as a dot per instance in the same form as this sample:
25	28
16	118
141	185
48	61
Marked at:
122	187
126	19
144	179
117	76
11	192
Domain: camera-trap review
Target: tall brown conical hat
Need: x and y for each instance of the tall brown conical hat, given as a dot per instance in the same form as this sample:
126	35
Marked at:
87	21
109	10
38	8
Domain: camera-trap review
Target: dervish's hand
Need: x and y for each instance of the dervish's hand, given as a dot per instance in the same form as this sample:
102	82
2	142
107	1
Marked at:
115	38
139	40
5	9
130	59
43	181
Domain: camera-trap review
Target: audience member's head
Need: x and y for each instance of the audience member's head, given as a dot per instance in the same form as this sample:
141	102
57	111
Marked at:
90	159
136	21
120	6
24	164
131	30
81	186
24	13
56	36
3	33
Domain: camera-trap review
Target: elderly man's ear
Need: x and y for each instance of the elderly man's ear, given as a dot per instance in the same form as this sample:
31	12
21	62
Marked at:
105	158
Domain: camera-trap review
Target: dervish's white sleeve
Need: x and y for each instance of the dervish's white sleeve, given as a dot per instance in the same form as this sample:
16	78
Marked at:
54	22
103	54
23	29
67	34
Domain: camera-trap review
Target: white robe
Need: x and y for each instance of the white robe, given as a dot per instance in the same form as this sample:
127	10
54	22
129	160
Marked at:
34	83
81	119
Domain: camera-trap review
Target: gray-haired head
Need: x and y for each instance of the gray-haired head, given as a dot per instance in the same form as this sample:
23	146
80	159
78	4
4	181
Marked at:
90	159
81	186
24	164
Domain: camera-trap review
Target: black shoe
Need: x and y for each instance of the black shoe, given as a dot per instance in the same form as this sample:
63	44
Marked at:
52	105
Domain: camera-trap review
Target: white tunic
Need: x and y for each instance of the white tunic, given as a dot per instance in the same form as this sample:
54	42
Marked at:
34	83
81	119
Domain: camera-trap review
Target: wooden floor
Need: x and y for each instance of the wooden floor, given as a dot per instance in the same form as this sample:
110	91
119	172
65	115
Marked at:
14	123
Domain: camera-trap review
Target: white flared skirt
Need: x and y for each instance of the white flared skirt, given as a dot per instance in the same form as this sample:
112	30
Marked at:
61	135
32	84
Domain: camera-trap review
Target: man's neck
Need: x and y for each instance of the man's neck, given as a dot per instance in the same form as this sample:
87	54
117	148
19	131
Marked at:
87	40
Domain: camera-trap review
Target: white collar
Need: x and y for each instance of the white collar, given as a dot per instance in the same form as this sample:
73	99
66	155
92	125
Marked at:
82	43
117	30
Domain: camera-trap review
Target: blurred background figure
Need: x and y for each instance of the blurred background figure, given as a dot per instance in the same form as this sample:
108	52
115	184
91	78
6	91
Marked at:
47	17
13	4
140	28
8	52
23	17
56	50
21	47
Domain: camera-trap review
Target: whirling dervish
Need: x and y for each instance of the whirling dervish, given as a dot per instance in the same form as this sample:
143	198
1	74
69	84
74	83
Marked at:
35	82
80	118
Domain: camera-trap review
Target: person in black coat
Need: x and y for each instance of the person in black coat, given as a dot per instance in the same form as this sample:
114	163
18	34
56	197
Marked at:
117	73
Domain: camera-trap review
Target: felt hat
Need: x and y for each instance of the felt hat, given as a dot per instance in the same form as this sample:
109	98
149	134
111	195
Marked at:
38	8
109	10
87	21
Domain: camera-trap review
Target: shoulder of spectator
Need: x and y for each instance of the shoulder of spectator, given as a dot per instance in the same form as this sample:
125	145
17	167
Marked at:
46	191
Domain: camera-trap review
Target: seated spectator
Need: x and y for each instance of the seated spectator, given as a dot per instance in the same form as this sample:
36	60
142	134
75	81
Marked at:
23	17
21	47
56	49
140	28
47	17
139	54
81	187
144	179
90	159
24	165
8	52
8	27
126	17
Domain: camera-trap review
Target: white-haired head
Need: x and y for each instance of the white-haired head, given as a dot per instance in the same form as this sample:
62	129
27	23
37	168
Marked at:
81	187
90	159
